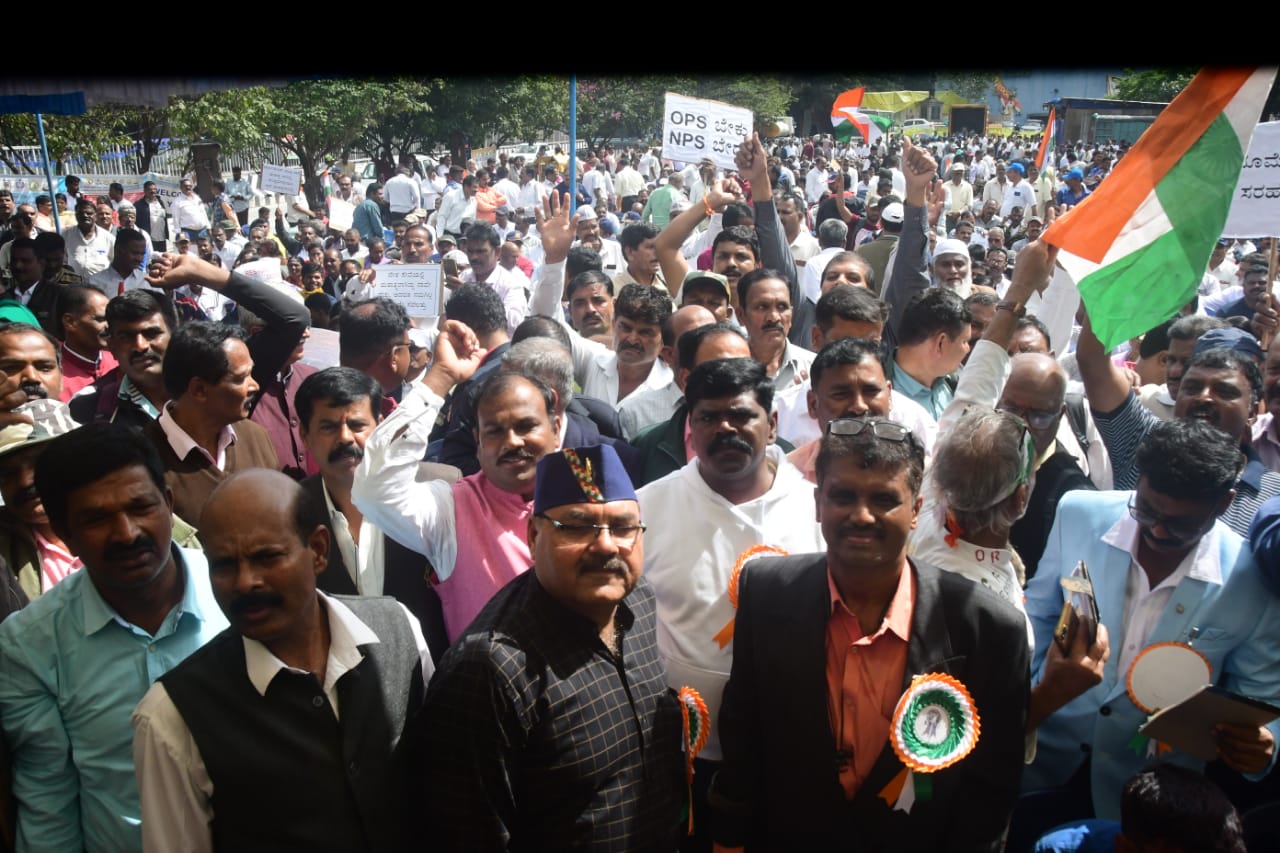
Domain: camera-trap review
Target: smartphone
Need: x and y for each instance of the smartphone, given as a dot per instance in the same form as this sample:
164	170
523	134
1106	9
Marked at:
449	266
1079	609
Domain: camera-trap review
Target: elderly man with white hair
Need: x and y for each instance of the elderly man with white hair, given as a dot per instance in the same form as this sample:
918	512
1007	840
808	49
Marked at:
951	268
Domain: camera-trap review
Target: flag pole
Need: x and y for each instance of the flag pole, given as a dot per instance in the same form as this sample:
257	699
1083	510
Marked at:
48	171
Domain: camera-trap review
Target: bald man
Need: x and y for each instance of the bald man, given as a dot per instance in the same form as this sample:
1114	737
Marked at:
657	404
301	701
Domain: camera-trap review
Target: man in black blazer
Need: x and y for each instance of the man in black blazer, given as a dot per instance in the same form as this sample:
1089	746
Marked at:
796	774
337	410
157	230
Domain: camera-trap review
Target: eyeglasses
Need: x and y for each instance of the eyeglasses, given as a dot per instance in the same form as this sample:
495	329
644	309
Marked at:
1035	418
1181	531
623	535
887	430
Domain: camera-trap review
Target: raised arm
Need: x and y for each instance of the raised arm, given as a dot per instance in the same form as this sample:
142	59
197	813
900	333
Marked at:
1105	385
775	254
285	318
419	516
910	275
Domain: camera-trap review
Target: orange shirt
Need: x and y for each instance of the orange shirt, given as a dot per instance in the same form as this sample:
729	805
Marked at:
864	678
488	200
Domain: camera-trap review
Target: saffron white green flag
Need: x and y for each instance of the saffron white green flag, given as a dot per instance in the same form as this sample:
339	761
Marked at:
1137	248
847	115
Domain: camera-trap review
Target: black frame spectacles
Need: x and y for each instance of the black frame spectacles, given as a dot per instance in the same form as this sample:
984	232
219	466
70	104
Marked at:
888	430
1177	530
623	535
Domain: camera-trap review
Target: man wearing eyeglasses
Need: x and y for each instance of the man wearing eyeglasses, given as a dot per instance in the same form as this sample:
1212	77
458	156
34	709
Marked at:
737	495
549	725
824	647
1165	570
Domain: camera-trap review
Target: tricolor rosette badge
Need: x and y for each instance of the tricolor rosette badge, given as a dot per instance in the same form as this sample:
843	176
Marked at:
935	725
725	635
697	728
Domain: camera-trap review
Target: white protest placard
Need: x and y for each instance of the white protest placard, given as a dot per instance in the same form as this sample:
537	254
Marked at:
341	214
280	179
1255	207
694	130
415	286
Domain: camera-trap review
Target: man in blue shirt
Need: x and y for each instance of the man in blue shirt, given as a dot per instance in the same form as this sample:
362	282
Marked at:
367	218
74	663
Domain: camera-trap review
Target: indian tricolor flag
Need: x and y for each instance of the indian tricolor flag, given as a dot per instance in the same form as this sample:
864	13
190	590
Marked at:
1048	142
1137	248
847	115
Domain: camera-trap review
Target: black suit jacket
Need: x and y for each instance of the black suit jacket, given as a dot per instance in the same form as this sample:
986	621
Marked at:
778	787
405	576
143	209
44	304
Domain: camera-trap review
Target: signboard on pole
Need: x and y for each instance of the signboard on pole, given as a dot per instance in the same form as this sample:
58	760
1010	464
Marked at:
280	179
694	130
414	286
1255	207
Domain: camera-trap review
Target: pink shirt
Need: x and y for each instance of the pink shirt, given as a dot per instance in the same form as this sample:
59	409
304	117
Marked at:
55	563
492	530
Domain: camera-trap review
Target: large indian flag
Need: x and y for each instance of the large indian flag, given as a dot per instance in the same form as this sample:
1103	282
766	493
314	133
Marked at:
1137	248
847	115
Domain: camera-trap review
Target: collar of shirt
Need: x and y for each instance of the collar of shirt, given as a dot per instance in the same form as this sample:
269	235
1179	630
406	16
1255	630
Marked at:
897	617
346	634
92	362
906	384
96	613
1265	436
129	391
183	444
1203	563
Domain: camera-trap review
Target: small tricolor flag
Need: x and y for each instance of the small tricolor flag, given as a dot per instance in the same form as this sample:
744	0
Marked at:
1048	142
847	115
1137	248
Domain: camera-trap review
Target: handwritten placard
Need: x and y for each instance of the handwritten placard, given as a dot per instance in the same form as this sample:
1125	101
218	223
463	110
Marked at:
280	179
694	130
1255	207
415	286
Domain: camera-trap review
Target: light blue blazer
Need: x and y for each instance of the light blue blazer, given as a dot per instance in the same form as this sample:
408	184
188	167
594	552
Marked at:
1235	624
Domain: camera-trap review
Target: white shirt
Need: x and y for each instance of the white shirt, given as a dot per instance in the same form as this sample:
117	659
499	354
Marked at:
1143	604
365	560
815	184
1021	195
112	283
453	209
188	212
804	247
513	286
403	194
183	444
174	787
811	273
696	537
89	255
210	301
239	188
431	186
530	196
795	425
595	366
640	410
418	515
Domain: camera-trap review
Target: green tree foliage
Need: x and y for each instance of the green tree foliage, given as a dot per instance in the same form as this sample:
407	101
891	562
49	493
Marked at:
478	111
1157	84
68	137
315	118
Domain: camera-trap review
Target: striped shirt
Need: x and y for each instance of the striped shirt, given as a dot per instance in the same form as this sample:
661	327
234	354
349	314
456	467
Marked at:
1124	429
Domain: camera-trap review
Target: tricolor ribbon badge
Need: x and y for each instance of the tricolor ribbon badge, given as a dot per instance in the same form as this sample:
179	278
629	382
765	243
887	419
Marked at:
697	728
935	725
724	636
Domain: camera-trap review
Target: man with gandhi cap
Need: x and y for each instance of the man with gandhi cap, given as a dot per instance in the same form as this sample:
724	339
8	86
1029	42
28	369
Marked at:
548	724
